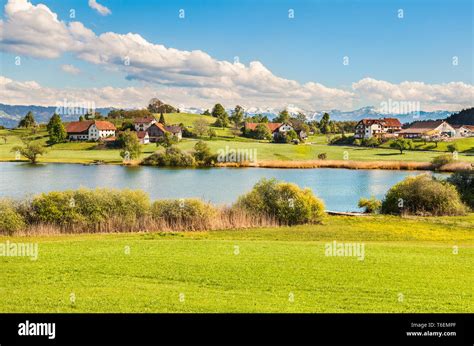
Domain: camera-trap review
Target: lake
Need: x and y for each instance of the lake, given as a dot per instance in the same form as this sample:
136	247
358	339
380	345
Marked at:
339	188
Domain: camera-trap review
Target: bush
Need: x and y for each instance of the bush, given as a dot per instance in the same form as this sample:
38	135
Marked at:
371	142
202	154
285	202
371	205
464	182
186	212
423	195
89	208
10	220
343	140
322	156
172	157
453	147
442	160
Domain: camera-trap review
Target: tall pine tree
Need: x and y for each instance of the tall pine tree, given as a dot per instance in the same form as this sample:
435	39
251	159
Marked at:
56	130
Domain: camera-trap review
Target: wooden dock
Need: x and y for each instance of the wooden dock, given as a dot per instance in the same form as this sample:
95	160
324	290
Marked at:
346	213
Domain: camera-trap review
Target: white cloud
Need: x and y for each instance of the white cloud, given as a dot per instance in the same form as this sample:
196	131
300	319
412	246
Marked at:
446	96
70	69
194	78
104	11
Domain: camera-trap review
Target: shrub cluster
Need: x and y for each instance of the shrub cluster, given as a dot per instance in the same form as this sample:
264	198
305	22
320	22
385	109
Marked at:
171	157
464	182
10	219
343	140
88	209
423	195
183	212
285	202
371	205
442	160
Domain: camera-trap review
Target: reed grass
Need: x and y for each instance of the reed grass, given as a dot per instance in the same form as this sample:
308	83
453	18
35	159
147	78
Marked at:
226	218
389	165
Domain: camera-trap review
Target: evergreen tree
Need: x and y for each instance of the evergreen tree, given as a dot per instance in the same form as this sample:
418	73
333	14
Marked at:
56	130
28	121
162	119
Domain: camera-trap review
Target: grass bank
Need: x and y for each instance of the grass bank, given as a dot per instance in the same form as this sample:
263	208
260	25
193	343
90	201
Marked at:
409	266
74	152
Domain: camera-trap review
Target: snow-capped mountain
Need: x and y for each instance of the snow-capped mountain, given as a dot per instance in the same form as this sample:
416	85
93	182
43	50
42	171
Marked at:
10	115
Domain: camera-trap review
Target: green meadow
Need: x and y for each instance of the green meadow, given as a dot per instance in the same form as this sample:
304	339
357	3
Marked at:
86	152
409	265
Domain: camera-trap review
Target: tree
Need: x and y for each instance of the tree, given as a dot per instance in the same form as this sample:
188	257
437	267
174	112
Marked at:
201	127
56	130
261	132
202	153
222	121
162	119
218	110
127	125
28	121
464	182
30	150
206	112
324	124
130	145
212	133
237	115
222	117
283	117
81	118
167	140
257	118
402	144
156	106
453	147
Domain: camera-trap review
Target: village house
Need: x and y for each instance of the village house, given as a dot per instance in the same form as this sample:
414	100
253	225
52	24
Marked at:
275	128
367	128
143	137
175	130
464	130
157	130
142	124
432	128
90	130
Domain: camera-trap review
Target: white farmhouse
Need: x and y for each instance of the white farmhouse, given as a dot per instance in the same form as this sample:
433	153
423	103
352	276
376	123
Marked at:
90	130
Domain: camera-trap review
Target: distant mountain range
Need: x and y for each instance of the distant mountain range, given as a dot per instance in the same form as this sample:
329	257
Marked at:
10	115
355	115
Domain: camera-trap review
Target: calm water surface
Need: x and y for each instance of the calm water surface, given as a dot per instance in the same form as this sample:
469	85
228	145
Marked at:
339	188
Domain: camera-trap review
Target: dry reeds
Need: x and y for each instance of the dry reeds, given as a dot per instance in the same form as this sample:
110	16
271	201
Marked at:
225	218
347	164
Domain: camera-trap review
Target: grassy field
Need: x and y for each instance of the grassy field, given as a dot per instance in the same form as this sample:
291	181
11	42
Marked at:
408	266
87	152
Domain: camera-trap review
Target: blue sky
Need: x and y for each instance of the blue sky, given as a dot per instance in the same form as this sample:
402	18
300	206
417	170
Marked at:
308	48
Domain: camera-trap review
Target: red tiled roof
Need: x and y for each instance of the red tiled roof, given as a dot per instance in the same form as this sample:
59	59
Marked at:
392	122
141	134
79	126
83	126
145	120
160	126
271	126
470	127
104	125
